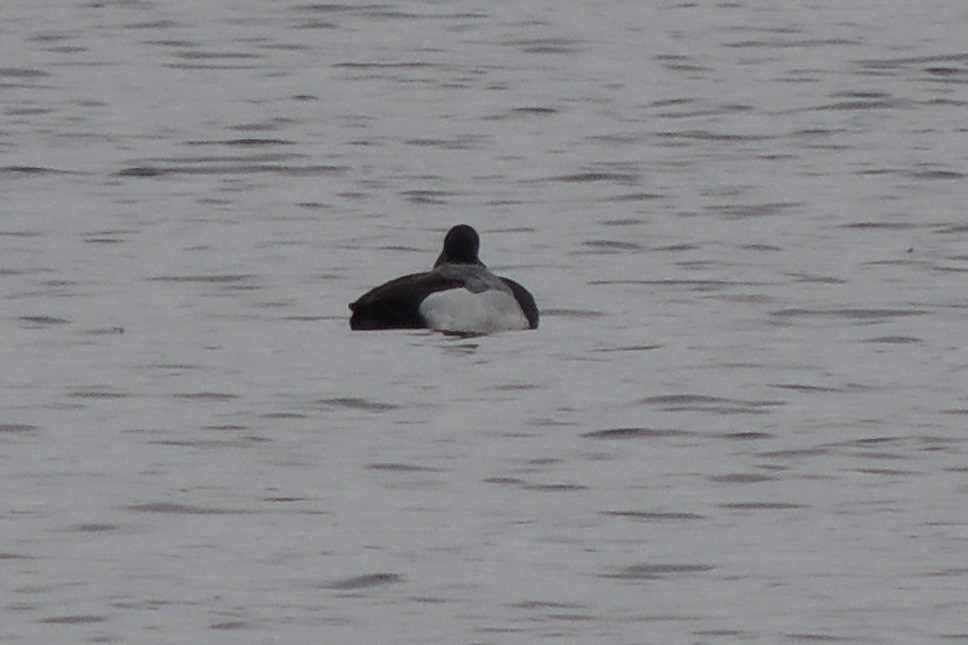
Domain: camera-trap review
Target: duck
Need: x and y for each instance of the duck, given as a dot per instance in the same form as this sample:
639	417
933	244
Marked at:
459	295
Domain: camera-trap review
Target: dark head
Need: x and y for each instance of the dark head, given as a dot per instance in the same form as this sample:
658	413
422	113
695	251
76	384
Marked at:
460	247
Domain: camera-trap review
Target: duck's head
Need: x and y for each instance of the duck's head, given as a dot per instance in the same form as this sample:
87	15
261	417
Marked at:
460	247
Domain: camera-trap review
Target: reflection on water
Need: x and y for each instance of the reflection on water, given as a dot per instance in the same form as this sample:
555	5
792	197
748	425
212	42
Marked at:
743	416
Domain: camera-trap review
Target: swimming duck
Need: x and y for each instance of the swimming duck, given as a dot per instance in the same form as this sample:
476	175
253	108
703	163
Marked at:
458	295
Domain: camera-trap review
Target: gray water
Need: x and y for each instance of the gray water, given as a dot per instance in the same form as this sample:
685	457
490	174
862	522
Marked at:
743	418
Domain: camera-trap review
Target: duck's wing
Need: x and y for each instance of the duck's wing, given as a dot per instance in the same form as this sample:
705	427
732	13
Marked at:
526	300
396	304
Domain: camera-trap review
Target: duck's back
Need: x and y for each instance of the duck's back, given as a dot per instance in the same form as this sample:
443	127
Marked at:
486	303
396	304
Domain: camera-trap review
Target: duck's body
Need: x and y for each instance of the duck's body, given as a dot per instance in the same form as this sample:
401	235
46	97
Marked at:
458	295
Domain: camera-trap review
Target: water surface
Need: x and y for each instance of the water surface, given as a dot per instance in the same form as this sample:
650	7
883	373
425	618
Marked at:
742	419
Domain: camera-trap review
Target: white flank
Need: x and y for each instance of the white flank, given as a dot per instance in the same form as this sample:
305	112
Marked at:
459	310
